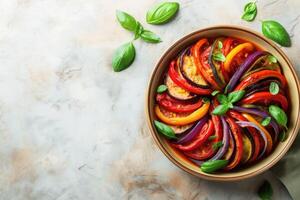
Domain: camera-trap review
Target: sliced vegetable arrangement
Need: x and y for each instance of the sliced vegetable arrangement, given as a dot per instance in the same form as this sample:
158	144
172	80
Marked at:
223	104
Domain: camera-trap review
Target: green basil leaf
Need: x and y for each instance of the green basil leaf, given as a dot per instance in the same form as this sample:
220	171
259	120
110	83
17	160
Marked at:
138	30
276	32
205	100
236	96
214	93
274	88
230	105
272	59
220	44
279	115
212	137
217	145
220	109
282	136
250	11
165	129
123	57
213	165
149	36
222	98
265	191
266	121
162	13
127	21
161	88
219	57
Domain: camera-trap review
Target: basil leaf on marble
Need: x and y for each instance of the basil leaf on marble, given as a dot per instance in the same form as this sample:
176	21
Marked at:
150	37
250	11
127	21
274	88
265	191
165	129
276	32
279	115
162	13
138	30
161	88
123	57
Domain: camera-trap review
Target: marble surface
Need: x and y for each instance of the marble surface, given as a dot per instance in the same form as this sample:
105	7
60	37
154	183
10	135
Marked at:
72	129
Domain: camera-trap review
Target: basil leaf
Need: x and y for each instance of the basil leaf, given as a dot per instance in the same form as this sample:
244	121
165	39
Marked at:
212	137
149	36
214	93
279	115
222	99
265	191
230	105
219	57
217	145
272	59
282	136
220	109
236	96
162	13
161	88
220	44
274	88
205	99
250	11
213	165
123	57
127	21
165	129
266	121
276	32
138	30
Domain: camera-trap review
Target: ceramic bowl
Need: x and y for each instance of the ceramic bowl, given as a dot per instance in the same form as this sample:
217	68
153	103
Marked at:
293	114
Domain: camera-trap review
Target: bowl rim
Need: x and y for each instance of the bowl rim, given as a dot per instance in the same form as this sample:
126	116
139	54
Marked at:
255	172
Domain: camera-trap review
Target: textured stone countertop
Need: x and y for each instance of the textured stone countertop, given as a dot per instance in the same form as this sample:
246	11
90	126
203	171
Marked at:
71	128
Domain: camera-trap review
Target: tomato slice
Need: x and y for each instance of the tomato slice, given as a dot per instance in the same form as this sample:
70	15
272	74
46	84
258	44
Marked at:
203	152
197	52
206	131
258	142
266	98
237	135
177	106
180	81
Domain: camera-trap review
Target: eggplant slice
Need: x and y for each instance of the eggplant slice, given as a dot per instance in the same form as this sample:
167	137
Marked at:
177	92
189	70
181	129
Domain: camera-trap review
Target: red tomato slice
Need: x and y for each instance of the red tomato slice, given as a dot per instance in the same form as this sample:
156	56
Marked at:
203	152
177	106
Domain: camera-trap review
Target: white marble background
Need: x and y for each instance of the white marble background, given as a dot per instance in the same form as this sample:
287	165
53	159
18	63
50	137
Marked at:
71	128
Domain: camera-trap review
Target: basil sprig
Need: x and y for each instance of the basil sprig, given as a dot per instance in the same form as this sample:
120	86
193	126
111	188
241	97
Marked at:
217	145
272	59
274	88
226	102
125	54
265	191
215	92
279	115
165	129
250	11
276	32
162	13
123	57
